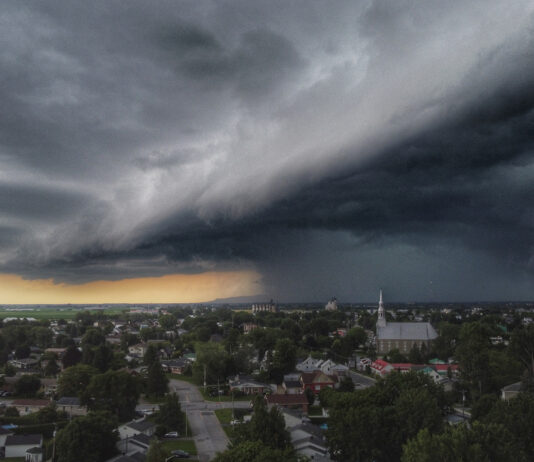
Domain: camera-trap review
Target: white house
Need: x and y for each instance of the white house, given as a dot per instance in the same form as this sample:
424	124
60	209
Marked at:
18	445
146	427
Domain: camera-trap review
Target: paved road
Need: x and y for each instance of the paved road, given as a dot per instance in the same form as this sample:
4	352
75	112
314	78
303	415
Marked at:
208	433
361	381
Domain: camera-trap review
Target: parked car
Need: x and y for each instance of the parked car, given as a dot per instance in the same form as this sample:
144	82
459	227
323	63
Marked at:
180	454
171	435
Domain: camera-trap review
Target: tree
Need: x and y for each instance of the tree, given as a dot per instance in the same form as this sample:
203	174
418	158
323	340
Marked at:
266	426
93	337
51	369
74	380
27	386
90	438
151	355
72	356
394	410
517	416
42	336
113	391
167	321
157	382
102	357
463	444
155	452
170	414
522	348
216	361
472	353
284	358
310	395
256	451
345	385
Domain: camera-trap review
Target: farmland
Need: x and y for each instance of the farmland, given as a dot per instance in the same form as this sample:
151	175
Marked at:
52	313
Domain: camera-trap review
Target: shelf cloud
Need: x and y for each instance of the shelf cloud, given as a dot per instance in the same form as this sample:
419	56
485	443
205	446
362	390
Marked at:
332	148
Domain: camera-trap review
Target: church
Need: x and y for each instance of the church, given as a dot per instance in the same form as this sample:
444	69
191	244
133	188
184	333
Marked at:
401	335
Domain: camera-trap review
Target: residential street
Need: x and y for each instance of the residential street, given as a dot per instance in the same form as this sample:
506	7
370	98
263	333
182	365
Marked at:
208	433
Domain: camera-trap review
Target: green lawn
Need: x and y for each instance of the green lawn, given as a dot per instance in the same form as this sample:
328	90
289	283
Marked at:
54	313
184	445
221	398
225	416
184	378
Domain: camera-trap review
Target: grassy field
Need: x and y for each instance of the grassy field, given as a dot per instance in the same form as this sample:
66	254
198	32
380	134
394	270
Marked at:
184	445
185	378
54	313
225	416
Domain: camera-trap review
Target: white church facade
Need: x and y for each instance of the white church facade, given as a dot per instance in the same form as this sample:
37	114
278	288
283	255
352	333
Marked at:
401	335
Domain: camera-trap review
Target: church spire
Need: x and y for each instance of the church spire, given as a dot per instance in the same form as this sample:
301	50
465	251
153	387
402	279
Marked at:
381	321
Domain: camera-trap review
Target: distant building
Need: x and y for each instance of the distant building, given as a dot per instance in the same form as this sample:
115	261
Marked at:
401	335
261	307
331	305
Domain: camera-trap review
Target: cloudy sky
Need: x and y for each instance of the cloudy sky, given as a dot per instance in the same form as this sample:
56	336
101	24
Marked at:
299	150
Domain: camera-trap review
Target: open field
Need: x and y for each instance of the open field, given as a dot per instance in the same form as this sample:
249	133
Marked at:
54	313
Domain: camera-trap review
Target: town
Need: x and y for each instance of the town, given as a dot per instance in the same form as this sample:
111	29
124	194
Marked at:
268	382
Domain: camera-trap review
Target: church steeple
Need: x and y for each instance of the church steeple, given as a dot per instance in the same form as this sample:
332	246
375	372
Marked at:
381	321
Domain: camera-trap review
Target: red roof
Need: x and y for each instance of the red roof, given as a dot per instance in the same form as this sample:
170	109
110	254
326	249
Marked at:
287	400
31	402
445	367
404	366
380	365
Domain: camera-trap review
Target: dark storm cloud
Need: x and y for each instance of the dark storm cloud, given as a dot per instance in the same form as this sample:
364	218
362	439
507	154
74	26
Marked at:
312	141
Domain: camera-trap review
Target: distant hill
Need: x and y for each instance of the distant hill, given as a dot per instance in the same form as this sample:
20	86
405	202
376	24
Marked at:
245	299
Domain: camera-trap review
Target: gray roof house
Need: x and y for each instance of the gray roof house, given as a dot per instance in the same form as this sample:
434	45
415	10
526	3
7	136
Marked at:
18	445
511	391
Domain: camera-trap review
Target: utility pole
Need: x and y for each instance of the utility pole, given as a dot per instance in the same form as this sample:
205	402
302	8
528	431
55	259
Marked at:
54	445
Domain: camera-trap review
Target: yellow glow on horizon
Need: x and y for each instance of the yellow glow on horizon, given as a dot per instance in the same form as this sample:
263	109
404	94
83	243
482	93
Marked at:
173	288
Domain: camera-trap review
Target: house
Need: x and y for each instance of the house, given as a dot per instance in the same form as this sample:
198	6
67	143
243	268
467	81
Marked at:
364	363
309	365
132	457
4	433
292	387
308	440
329	367
138	443
71	405
317	380
35	454
25	363
49	386
137	350
144	426
29	406
289	401
381	367
402	367
248	327
18	445
175	366
247	385
511	391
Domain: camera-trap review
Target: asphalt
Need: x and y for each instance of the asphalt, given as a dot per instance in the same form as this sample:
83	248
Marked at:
208	433
361	381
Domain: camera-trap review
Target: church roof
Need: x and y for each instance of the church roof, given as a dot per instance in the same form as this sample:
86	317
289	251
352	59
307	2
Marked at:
406	331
